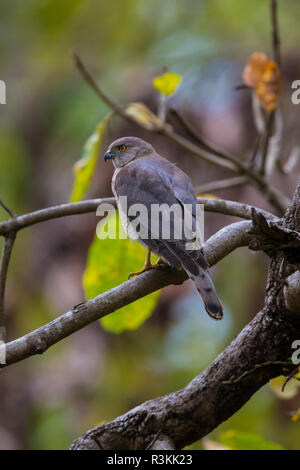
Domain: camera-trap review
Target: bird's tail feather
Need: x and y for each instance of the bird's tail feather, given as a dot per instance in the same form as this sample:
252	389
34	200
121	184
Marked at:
207	291
196	268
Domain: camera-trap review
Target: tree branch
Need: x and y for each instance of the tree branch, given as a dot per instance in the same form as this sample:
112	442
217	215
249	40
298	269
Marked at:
191	413
4	262
84	207
292	293
275	32
227	183
198	138
54	212
269	129
7	209
38	341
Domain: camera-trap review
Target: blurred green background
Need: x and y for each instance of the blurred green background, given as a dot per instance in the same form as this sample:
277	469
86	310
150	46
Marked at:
94	375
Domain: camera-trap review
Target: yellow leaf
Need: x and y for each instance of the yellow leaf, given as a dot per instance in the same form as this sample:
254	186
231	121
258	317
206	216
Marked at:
85	167
108	265
167	83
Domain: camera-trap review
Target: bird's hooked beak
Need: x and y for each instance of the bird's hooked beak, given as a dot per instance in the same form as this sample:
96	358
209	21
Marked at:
109	155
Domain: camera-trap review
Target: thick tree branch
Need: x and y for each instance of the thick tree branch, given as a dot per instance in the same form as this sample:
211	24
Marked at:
38	341
162	442
191	413
292	293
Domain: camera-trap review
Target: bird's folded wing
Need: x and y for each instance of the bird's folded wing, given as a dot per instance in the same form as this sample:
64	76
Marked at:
155	181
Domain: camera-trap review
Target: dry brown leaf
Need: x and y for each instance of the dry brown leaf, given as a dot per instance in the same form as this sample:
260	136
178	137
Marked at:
264	76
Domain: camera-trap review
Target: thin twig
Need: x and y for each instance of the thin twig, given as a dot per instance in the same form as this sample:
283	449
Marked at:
4	262
241	86
267	136
292	161
275	32
198	138
255	150
270	119
273	195
289	377
8	210
227	183
101	93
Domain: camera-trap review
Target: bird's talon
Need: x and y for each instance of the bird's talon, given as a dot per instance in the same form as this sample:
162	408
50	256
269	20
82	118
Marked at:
160	263
141	271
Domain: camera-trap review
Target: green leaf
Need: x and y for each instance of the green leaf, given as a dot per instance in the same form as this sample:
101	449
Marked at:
167	83
238	440
108	265
85	167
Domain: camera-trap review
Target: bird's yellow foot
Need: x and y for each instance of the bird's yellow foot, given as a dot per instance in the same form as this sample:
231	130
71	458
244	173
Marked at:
145	268
148	266
159	262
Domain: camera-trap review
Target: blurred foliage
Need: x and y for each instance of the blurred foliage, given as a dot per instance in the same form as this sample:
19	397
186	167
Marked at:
84	169
237	440
94	376
14	173
50	428
111	258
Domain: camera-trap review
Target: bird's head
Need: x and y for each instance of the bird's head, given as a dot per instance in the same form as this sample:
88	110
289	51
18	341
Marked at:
122	151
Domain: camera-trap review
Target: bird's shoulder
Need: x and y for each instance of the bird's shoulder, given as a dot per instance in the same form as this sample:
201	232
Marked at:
148	164
153	170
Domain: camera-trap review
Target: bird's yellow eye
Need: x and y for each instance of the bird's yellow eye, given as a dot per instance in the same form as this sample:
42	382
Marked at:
122	148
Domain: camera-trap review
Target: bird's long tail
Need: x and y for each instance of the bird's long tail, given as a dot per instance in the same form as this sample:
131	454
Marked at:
207	291
196	267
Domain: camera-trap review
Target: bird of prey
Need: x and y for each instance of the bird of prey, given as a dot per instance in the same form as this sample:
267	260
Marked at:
146	178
